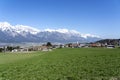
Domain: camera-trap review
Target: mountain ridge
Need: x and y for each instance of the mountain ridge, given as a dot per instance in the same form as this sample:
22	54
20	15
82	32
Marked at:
21	33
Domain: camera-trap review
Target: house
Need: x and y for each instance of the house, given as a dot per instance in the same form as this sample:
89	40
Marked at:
75	45
55	46
20	50
93	45
82	45
110	46
61	46
36	48
14	50
46	48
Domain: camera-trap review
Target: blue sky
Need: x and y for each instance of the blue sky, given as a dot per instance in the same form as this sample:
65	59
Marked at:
99	17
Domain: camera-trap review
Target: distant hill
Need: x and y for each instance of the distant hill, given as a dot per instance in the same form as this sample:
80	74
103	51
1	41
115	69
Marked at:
109	41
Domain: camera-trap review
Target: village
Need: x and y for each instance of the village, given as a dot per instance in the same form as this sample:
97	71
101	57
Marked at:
49	46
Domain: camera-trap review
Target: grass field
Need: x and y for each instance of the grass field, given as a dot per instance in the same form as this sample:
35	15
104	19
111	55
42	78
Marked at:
62	64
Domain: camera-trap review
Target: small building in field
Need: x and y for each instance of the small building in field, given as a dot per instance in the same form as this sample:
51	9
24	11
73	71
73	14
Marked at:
93	45
110	46
75	45
55	46
82	45
20	50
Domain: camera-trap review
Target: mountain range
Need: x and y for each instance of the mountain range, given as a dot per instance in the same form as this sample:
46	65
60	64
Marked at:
21	33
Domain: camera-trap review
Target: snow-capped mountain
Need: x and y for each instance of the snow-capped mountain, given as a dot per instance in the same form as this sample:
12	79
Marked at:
21	33
18	29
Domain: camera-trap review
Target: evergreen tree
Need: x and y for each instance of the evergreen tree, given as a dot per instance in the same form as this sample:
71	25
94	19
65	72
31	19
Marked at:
48	44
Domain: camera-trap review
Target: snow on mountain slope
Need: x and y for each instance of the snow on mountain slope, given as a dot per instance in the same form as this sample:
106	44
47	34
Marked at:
22	28
18	29
62	31
73	32
21	33
5	26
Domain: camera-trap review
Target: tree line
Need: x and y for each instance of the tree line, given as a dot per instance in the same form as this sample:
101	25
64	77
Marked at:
9	48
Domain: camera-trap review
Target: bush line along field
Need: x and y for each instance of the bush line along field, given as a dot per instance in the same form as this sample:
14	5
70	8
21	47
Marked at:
62	64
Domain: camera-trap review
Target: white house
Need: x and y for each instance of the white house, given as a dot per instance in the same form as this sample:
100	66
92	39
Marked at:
110	46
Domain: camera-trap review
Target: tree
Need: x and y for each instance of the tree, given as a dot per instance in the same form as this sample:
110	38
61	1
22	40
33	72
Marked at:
48	44
10	48
1	49
17	47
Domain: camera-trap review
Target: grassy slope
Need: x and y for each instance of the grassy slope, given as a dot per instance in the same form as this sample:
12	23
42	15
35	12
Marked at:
62	64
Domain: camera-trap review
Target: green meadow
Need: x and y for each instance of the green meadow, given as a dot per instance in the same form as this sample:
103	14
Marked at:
62	64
